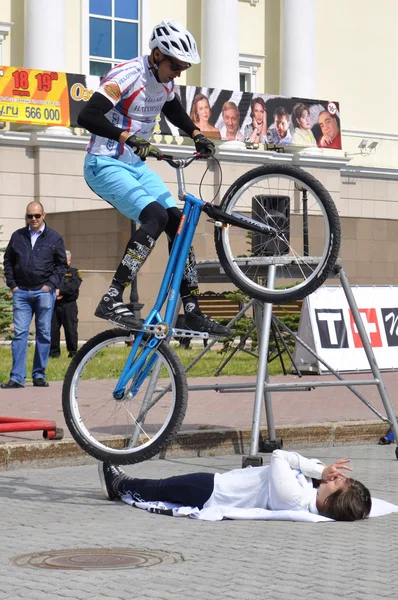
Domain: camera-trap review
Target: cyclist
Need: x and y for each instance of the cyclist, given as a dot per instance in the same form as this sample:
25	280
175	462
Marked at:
121	115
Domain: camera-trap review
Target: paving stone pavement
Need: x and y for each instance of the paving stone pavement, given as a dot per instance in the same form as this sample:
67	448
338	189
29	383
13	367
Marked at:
63	508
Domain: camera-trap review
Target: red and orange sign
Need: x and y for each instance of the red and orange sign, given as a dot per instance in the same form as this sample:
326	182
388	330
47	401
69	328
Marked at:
37	97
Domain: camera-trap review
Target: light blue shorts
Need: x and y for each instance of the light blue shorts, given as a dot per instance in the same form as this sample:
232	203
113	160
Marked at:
129	188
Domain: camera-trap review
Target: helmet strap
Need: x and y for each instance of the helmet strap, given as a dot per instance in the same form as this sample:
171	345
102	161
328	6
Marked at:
155	64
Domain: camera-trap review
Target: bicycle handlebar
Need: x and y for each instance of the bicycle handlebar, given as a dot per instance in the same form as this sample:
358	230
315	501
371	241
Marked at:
178	163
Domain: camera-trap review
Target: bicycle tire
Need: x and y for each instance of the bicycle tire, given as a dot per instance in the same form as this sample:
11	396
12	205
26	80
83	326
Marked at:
105	427
256	194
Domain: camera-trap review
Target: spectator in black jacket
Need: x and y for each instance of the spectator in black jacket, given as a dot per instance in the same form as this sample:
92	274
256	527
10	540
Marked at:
65	311
34	263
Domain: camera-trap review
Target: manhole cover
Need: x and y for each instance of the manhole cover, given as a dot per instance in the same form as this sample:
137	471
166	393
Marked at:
98	558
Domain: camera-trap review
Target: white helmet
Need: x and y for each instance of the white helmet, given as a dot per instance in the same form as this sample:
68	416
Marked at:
174	40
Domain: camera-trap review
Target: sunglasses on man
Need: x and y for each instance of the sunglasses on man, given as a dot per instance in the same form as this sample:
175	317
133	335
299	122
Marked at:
176	67
35	216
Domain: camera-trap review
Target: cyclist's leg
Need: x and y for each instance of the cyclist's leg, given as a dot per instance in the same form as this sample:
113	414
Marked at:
120	185
189	289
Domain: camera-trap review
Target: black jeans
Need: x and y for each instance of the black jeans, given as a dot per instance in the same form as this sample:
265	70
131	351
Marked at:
64	315
193	489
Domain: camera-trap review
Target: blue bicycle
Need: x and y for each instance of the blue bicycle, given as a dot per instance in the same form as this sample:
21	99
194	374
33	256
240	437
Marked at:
125	393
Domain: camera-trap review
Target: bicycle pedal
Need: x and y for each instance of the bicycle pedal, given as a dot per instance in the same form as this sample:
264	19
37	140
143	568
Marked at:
159	330
188	333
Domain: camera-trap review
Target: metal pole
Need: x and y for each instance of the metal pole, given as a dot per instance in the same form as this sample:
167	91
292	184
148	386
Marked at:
306	248
369	352
262	374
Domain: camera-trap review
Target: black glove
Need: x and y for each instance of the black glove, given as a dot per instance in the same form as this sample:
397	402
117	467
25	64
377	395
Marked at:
203	145
140	146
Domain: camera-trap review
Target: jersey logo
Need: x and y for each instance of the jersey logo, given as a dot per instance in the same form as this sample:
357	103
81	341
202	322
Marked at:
113	90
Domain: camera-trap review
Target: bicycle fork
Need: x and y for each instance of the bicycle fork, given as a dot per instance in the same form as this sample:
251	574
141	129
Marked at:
139	369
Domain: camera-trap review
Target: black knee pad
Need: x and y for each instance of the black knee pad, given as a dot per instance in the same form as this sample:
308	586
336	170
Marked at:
174	216
154	219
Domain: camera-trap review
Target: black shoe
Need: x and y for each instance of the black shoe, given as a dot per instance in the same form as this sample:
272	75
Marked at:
110	476
201	322
72	354
117	313
55	356
11	385
40	382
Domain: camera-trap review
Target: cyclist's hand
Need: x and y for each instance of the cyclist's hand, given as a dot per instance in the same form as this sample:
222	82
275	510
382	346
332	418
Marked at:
203	145
140	146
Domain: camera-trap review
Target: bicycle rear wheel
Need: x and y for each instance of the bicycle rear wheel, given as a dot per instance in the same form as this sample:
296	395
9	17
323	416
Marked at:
139	425
306	239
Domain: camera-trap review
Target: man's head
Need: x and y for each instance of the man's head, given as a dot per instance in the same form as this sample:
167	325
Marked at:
173	50
281	121
230	115
328	124
68	256
344	500
35	215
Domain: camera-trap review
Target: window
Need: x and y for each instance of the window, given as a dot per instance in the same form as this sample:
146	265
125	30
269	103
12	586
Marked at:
244	82
248	67
114	33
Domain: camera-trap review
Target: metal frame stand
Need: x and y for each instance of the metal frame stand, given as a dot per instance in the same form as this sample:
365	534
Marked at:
263	389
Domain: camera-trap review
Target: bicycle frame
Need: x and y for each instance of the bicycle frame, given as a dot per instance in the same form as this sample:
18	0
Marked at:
169	290
172	278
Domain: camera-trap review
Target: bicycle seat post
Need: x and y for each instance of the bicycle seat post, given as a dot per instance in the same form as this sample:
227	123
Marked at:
181	183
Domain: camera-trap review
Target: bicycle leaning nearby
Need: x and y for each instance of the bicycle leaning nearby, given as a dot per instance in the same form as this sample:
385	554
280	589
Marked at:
271	215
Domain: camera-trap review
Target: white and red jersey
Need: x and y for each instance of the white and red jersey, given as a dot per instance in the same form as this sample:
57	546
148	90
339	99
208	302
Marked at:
137	99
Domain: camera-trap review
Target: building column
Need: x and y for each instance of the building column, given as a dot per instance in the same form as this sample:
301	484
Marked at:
45	35
220	44
45	42
5	28
298	48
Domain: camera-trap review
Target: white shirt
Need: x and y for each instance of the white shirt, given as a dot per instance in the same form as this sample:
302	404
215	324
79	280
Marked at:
34	235
286	484
138	99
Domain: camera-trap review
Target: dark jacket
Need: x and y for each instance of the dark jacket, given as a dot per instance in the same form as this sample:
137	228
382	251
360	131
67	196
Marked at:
69	286
30	268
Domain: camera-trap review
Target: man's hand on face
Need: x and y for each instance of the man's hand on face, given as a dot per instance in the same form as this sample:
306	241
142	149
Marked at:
326	140
336	470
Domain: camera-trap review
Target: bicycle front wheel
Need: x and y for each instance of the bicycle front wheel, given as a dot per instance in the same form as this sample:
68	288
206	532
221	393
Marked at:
141	423
305	238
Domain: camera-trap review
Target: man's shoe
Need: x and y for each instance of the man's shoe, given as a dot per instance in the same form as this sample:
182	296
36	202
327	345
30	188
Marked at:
11	385
117	313
55	356
201	322
110	476
72	354
40	382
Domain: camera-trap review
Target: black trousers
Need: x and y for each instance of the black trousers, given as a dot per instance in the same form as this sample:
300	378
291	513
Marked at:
64	315
193	489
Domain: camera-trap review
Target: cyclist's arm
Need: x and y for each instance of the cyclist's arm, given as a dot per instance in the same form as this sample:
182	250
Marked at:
92	117
175	113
